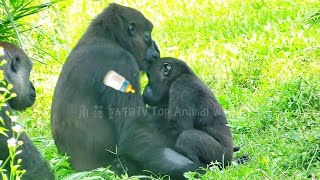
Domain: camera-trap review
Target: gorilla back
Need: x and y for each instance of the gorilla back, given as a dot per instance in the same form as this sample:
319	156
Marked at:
89	119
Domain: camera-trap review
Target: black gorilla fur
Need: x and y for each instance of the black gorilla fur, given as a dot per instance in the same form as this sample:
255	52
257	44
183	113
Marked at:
196	125
17	72
118	39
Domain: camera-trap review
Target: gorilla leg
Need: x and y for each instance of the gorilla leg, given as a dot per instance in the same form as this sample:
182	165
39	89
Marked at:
201	148
146	148
92	151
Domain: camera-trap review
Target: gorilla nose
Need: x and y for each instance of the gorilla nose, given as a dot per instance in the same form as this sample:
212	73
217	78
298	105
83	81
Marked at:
32	86
156	53
155	46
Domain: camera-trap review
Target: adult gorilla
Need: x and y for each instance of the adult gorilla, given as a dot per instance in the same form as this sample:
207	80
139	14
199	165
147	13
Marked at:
90	119
17	72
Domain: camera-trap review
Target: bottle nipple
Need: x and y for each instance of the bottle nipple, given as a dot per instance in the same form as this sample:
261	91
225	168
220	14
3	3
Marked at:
130	89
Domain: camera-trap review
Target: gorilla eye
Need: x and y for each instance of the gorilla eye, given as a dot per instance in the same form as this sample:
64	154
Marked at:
15	64
166	68
147	36
132	29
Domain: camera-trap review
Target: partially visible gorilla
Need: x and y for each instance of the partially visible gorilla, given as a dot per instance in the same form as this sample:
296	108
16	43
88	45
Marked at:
90	119
17	72
196	125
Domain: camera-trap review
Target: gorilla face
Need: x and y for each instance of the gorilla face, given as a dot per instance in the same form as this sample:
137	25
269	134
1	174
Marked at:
151	54
161	74
132	32
145	50
17	72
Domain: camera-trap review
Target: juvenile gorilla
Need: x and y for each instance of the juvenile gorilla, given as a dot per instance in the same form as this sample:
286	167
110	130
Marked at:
17	72
196	124
89	118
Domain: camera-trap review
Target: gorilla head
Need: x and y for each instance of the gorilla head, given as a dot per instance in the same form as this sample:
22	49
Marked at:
17	72
161	74
129	29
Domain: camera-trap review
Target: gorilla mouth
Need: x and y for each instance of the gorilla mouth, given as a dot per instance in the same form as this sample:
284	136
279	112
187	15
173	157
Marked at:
33	95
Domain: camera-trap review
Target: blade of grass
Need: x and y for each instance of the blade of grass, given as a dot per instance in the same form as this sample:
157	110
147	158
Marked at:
62	28
13	23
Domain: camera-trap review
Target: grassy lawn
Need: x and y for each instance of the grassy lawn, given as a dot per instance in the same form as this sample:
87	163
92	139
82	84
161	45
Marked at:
260	58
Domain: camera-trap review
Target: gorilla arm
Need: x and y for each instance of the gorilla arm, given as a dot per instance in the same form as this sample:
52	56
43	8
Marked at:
32	162
139	141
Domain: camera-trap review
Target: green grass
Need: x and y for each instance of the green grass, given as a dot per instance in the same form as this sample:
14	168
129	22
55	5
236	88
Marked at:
260	58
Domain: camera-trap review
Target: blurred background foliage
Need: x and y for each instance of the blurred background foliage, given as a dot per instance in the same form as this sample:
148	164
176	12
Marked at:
260	58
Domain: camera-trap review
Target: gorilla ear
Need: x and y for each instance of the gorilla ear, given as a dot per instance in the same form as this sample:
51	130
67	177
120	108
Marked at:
15	64
166	68
132	29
